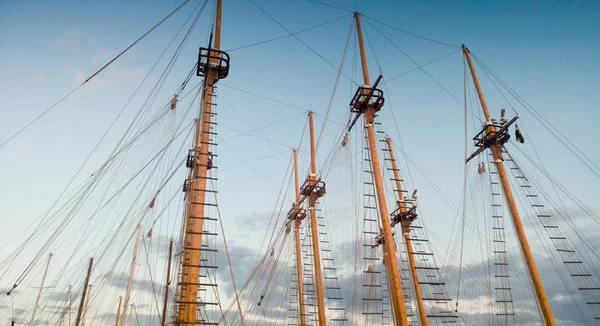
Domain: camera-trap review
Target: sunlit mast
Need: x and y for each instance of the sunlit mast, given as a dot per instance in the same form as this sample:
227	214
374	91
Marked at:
213	65
494	138
367	101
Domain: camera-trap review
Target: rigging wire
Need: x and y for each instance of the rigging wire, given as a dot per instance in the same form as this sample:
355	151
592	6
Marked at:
420	67
335	85
264	97
235	291
465	175
286	36
331	6
301	41
542	120
92	76
412	34
28	269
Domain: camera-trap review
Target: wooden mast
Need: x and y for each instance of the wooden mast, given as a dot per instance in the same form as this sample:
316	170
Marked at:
167	282
312	199
83	294
87	304
118	310
131	273
391	264
37	300
296	226
406	235
188	301
514	212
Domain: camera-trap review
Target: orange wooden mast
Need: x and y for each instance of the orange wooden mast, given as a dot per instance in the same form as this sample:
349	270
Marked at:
367	101
315	189
167	283
494	137
406	234
213	65
298	214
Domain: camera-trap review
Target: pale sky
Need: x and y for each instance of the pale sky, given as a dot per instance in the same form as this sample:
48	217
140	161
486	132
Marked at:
546	52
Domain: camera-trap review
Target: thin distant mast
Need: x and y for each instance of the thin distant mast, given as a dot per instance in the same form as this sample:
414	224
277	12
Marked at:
167	283
37	300
83	295
131	273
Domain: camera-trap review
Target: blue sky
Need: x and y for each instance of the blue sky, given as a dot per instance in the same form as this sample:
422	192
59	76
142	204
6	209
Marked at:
547	52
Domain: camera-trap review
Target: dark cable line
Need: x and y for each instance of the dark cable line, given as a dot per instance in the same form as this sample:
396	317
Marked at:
301	41
92	76
264	97
27	270
288	35
331	6
39	116
550	127
136	41
421	66
411	34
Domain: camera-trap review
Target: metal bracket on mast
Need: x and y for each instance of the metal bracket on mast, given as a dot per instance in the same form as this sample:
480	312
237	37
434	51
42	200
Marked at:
296	212
493	133
209	58
364	97
405	214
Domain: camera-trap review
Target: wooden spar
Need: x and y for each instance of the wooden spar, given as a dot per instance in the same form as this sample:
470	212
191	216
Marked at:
189	304
131	273
70	304
37	300
394	281
118	310
406	235
167	283
87	304
514	212
84	292
130	319
296	226
314	227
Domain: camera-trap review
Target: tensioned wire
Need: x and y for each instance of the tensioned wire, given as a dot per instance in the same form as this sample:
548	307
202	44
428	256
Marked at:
110	127
92	76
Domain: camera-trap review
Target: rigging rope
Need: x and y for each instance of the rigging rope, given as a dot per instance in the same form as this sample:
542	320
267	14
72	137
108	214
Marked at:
542	120
286	36
235	291
301	41
465	174
337	79
92	76
412	34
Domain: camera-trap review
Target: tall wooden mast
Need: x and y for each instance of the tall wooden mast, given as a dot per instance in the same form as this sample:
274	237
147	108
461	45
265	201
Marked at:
84	292
118	310
406	235
493	138
367	101
131	273
87	304
298	217
167	283
37	300
315	189
213	65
